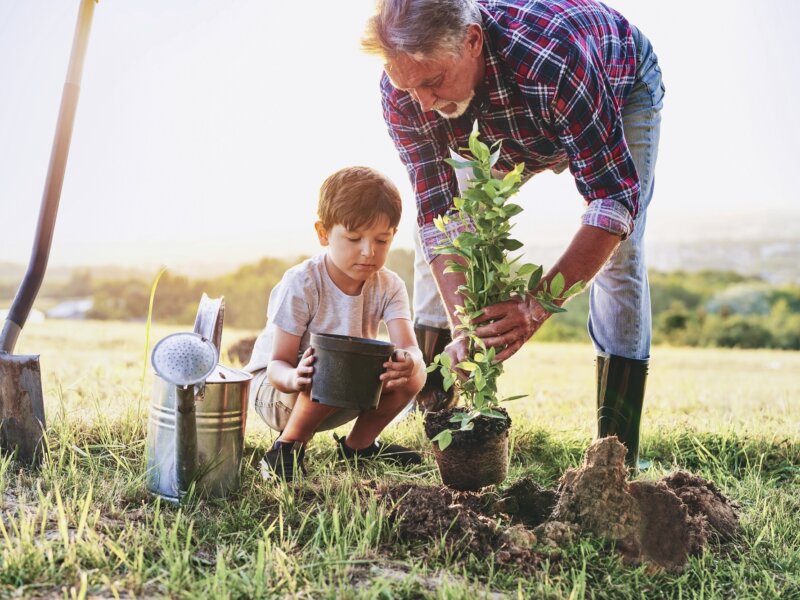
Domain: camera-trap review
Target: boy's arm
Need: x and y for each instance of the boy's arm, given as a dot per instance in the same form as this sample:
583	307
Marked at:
283	371
407	361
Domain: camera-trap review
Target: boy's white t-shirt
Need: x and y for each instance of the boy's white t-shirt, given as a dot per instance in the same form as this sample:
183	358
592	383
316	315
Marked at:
306	301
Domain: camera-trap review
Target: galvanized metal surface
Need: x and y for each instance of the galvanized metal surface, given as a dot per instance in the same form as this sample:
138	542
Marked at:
184	358
220	419
21	407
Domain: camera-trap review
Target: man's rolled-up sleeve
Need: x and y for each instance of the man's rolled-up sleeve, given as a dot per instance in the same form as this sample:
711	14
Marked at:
588	121
423	154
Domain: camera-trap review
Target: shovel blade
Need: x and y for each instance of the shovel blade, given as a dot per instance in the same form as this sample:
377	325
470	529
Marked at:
21	407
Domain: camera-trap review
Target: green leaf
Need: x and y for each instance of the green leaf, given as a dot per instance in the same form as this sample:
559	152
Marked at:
510	398
512	245
536	277
467	425
557	285
467	239
444	439
431	367
479	357
460	164
467	365
492	414
480	382
445	360
454	267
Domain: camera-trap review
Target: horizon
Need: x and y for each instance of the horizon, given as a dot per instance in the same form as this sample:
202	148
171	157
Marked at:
189	132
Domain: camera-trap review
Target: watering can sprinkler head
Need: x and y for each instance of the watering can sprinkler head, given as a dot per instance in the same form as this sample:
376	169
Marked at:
184	359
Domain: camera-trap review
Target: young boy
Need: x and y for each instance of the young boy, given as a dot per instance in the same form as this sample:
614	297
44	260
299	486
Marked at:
344	291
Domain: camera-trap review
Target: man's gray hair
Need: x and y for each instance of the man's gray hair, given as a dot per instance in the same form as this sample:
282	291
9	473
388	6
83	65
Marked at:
419	28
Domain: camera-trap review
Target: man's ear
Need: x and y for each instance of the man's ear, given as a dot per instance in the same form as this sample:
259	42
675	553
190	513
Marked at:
322	233
474	40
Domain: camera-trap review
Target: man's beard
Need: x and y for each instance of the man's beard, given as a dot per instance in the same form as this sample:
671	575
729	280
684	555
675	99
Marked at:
461	107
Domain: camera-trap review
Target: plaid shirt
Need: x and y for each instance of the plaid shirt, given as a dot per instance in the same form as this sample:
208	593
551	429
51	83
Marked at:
557	75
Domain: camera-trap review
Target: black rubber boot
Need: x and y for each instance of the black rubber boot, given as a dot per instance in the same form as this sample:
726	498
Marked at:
620	392
432	396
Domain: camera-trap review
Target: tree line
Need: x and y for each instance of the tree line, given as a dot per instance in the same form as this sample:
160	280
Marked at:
702	308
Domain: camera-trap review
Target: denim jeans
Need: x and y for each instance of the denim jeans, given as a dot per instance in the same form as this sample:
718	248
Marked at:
619	297
620	321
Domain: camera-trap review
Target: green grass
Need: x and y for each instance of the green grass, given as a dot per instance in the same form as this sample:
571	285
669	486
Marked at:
84	525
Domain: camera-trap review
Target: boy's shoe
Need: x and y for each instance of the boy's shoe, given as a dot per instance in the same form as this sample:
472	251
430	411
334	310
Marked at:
283	461
380	451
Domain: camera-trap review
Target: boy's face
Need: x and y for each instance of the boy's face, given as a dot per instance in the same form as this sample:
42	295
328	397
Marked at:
357	254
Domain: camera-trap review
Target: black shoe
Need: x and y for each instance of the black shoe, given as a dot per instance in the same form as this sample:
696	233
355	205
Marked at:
283	461
379	451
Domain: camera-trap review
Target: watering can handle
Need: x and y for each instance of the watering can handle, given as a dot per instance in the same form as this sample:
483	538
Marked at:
208	322
23	301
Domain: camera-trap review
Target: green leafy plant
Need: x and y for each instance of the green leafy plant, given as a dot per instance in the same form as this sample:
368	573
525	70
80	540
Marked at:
491	277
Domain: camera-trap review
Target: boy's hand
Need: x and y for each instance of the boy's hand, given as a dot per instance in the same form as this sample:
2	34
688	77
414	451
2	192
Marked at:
304	371
399	369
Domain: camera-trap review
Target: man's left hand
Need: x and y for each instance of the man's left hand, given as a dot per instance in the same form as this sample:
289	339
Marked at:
510	324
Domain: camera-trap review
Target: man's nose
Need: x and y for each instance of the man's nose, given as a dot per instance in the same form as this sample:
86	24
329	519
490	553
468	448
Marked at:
425	98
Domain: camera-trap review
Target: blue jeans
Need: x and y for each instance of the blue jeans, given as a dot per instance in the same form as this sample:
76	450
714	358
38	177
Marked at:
620	321
619	301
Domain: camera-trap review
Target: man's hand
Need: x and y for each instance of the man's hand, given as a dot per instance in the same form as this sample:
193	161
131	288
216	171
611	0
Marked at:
458	352
399	369
301	378
510	324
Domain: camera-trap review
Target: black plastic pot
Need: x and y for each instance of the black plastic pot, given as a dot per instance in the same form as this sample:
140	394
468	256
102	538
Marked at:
347	370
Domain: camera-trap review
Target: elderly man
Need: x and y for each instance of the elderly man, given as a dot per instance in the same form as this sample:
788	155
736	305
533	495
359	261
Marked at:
562	83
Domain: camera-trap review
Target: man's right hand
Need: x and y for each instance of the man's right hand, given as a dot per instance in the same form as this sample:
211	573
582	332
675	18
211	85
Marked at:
457	350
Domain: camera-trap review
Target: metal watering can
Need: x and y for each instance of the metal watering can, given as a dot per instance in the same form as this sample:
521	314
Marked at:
198	412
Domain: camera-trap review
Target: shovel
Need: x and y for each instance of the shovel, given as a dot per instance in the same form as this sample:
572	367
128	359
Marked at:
21	402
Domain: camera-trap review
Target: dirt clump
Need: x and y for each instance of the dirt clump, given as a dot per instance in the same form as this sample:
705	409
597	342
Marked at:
658	523
667	533
556	534
703	498
422	513
527	502
596	498
426	512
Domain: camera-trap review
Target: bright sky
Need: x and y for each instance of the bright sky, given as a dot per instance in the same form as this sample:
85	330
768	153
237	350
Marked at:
205	127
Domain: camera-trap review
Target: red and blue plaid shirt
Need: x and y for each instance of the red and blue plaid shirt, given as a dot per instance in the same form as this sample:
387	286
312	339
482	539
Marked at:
557	75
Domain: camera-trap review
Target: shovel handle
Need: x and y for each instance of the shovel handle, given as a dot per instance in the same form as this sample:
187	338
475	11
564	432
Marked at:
23	301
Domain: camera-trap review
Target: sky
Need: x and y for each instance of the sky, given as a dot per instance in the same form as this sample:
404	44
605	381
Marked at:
205	127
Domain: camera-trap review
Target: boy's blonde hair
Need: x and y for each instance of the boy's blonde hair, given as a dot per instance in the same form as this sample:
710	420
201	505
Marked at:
356	196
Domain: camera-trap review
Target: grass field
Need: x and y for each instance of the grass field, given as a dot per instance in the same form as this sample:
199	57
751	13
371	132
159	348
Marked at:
84	526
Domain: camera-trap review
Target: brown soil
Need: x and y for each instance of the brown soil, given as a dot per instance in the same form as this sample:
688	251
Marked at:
527	502
657	523
667	534
425	513
486	428
703	498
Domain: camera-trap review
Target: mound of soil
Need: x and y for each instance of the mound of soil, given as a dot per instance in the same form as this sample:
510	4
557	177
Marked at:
437	512
703	499
659	523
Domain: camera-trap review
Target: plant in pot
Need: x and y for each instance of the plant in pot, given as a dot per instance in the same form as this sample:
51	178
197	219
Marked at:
471	441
